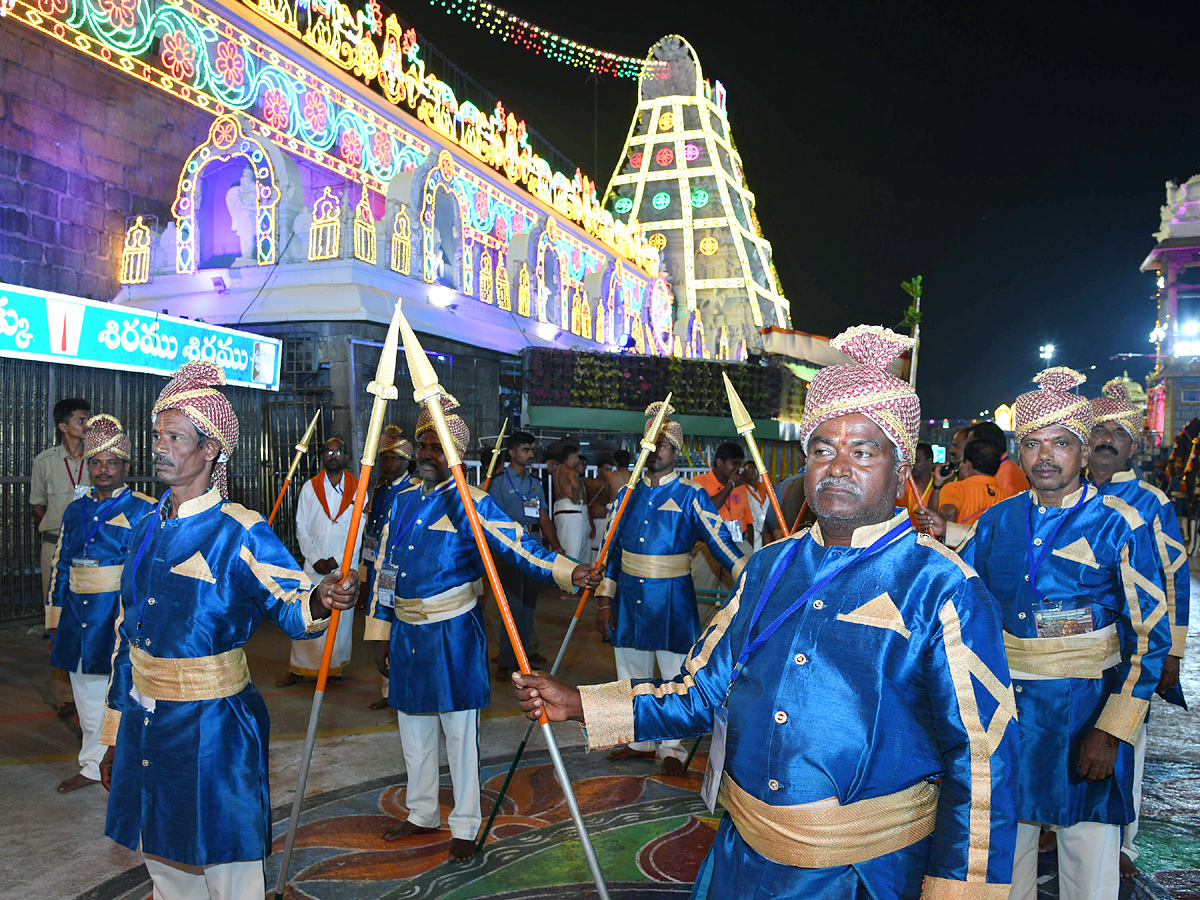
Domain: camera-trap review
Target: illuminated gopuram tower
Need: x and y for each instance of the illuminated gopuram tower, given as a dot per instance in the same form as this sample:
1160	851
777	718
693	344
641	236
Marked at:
680	175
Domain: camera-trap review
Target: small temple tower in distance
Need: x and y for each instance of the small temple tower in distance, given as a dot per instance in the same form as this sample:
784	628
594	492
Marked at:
680	175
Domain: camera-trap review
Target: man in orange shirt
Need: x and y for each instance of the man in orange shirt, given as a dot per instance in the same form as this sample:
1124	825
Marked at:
922	476
1009	476
726	486
960	503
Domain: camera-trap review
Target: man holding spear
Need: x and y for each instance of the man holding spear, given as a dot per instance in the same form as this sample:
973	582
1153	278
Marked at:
864	741
187	731
428	626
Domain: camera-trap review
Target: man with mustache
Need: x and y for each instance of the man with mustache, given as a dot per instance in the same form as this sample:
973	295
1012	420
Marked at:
1076	574
1114	437
648	598
855	683
428	627
187	731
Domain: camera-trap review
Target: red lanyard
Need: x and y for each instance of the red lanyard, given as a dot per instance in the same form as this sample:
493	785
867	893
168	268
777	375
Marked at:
75	479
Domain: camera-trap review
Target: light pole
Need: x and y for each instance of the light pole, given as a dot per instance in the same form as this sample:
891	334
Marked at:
1046	352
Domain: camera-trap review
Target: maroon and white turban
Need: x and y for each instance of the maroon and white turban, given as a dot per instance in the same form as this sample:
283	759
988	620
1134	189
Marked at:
671	429
1114	405
193	391
392	441
105	435
459	433
1054	404
865	386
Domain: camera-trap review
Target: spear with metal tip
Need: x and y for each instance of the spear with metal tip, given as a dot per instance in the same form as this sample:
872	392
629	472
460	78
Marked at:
649	443
487	482
428	391
301	449
384	389
745	427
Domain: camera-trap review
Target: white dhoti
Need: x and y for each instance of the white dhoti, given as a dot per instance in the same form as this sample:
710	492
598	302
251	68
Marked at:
571	525
228	881
1088	861
1139	769
633	663
419	743
91	693
306	655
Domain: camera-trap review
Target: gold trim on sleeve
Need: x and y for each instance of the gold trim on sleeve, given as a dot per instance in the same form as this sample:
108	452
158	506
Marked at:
377	630
1178	640
110	726
607	588
53	614
1122	716
563	570
607	713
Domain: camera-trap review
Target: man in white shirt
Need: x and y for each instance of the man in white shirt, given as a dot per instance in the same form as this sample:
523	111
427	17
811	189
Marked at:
323	515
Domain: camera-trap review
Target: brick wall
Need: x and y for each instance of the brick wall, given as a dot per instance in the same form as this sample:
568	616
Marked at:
82	147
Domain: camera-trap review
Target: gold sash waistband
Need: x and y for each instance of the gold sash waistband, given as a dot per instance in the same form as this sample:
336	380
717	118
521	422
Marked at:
95	579
817	837
640	565
434	609
1076	656
201	678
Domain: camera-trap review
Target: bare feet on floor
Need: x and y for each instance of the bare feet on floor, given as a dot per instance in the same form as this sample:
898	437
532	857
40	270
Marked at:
672	766
1129	868
1048	841
65	710
289	679
629	753
461	850
403	830
75	782
381	703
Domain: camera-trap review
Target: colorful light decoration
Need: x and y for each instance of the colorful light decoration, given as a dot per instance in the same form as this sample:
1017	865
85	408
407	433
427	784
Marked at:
512	30
665	121
699	198
665	156
325	232
658	240
708	246
623	205
402	242
135	254
662	200
364	229
691	152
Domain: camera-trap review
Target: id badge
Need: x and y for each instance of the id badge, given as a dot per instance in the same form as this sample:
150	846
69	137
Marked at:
531	510
82	490
369	547
735	530
84	563
711	786
385	586
1055	621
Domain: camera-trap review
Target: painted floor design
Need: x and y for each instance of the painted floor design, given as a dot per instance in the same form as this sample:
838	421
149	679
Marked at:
650	833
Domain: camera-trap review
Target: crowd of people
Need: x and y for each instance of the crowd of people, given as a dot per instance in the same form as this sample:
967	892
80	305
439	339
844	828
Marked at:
917	674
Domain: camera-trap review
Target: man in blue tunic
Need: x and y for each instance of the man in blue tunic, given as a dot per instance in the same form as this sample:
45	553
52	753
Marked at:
1076	575
428	628
1115	432
855	683
187	731
648	597
85	583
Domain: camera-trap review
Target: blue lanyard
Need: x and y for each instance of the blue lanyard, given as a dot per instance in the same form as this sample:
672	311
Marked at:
137	559
1048	544
383	499
408	523
516	490
776	573
89	534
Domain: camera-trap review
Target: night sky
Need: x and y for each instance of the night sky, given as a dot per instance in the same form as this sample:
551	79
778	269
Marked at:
1014	156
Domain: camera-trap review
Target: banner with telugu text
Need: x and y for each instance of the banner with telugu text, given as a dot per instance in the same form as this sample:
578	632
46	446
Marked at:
58	328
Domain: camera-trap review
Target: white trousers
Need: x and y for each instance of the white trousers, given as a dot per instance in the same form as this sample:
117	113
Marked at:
1088	864
419	743
640	664
1139	766
90	695
228	881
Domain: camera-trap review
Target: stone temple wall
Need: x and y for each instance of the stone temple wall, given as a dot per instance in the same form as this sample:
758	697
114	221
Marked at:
82	148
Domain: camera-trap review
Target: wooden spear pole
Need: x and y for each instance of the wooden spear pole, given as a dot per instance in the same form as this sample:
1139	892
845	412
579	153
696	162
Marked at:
428	391
301	449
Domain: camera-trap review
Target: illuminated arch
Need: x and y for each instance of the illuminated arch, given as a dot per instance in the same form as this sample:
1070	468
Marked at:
546	243
438	182
226	141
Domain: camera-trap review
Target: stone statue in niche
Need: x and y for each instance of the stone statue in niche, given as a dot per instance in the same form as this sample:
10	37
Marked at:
297	249
163	261
243	209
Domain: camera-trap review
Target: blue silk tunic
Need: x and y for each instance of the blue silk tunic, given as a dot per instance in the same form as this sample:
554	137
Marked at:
381	502
189	778
666	520
438	659
892	674
1102	565
82	610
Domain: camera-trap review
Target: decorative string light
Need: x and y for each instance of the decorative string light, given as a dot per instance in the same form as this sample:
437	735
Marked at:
517	31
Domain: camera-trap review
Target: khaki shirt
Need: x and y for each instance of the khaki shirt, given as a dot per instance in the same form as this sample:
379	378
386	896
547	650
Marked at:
52	484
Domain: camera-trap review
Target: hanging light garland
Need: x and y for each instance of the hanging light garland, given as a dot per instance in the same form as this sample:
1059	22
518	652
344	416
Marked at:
514	30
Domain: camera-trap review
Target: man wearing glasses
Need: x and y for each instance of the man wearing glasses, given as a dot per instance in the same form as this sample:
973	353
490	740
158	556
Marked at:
323	515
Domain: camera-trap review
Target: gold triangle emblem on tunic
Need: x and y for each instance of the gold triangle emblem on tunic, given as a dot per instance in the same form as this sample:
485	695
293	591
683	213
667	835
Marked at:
444	524
194	567
119	521
670	506
1080	551
880	612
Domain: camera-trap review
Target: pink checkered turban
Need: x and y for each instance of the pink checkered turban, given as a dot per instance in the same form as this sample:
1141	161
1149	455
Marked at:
193	391
865	386
671	429
392	441
105	435
1114	405
1054	404
459	433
